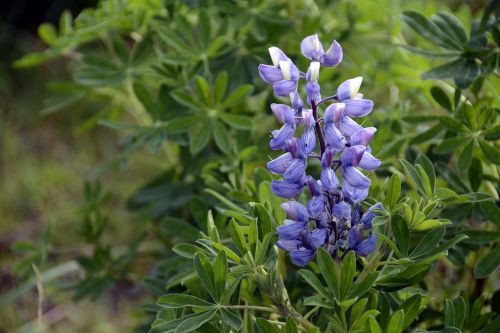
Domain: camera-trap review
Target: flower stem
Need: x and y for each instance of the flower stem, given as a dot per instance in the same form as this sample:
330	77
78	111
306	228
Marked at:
334	97
317	127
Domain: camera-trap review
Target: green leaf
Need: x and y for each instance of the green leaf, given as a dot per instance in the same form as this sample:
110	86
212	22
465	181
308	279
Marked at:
192	323
205	272
453	124
222	138
231	318
220	273
475	173
182	97
266	327
488	264
428	242
427	165
431	133
451	26
468	73
396	324
65	23
329	270
491	153
347	272
181	124
441	98
425	180
178	228
198	138
238	237
372	326
220	86
204	27
446	71
142	95
492	133
429	30
237	121
290	327
414	175
465	157
429	53
449	145
314	282
393	191
359	288
237	96
430	224
203	89
47	33
182	300
411	308
186	250
401	233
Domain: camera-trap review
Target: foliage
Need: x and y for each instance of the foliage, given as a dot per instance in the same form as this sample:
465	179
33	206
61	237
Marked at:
179	80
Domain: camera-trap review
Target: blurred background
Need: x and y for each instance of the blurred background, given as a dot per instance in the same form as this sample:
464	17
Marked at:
46	157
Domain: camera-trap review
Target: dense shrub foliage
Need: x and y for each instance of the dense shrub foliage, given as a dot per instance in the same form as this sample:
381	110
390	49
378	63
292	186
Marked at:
411	246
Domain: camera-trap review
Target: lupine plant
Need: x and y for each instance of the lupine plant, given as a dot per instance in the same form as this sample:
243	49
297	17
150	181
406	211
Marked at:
345	220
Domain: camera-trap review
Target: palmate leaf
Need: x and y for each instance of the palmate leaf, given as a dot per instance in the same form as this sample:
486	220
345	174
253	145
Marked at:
467	74
429	30
181	301
446	71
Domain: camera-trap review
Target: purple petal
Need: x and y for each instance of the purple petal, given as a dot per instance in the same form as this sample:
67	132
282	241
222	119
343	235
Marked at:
329	180
285	189
312	91
342	210
279	165
353	237
296	171
348	126
281	136
291	229
369	215
315	206
314	239
368	162
334	112
326	159
284	88
355	178
307	116
289	244
349	88
314	187
358	107
302	256
296	101
311	48
295	211
367	246
363	136
333	55
309	140
352	155
283	113
277	55
354	194
334	138
270	74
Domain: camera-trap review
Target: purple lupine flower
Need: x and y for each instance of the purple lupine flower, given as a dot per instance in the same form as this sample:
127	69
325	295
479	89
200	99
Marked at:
355	105
283	75
332	217
362	247
312	49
